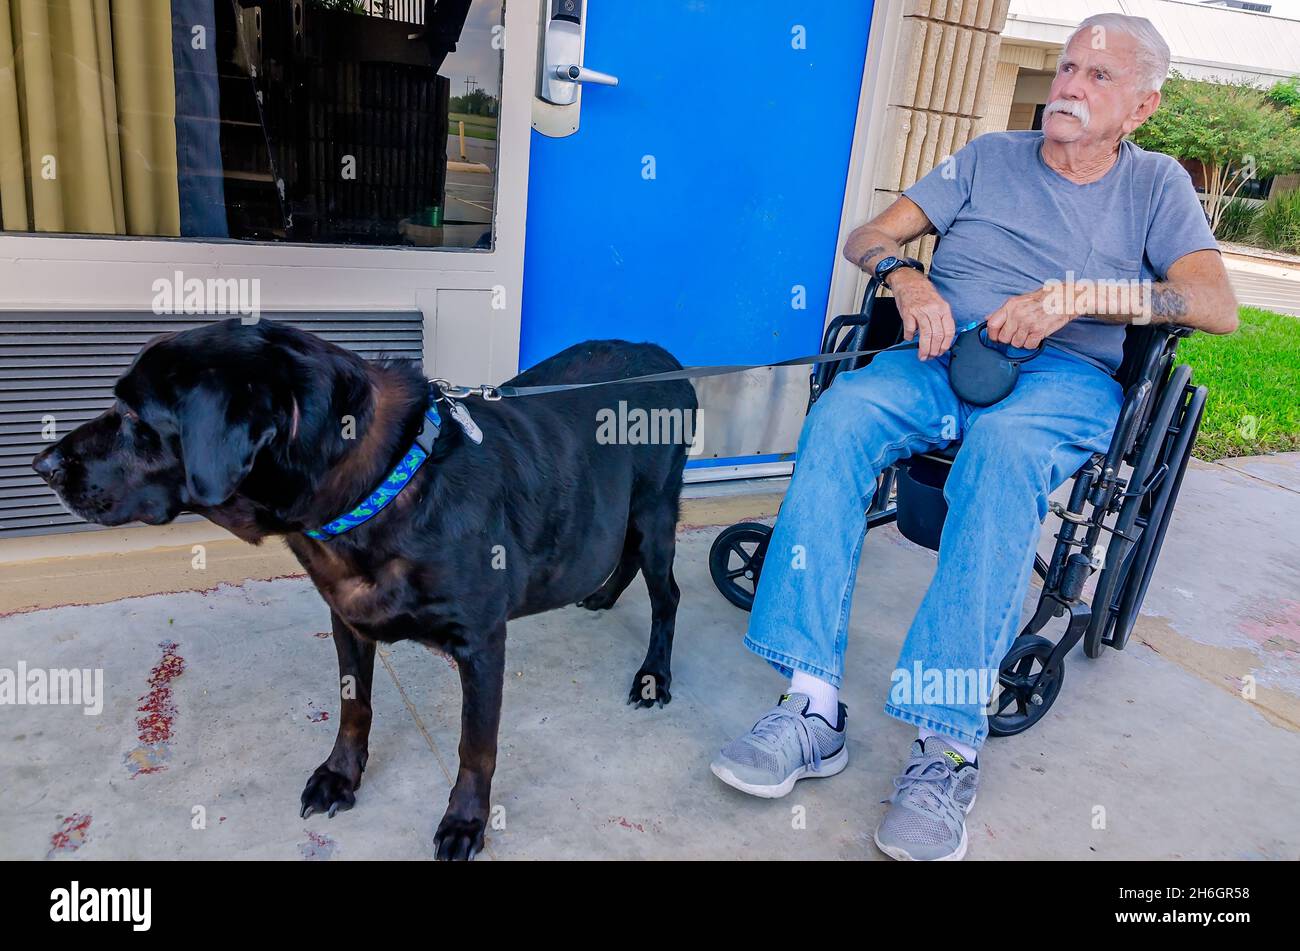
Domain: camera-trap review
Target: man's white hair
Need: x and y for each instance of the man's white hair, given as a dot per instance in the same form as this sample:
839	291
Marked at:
1152	50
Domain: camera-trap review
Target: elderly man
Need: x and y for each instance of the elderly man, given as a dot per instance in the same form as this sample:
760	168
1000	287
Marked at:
1022	215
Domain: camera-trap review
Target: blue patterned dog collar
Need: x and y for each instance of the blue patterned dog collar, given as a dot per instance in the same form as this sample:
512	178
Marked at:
392	484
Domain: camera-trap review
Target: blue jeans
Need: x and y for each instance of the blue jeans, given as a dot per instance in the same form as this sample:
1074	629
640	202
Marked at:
1013	455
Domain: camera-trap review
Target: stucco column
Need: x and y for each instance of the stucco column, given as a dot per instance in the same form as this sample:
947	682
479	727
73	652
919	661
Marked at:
940	91
998	109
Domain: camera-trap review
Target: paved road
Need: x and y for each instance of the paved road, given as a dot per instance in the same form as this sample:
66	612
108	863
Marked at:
1264	284
476	150
471	194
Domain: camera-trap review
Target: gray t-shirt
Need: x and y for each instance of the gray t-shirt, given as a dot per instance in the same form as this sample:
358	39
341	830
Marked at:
1009	223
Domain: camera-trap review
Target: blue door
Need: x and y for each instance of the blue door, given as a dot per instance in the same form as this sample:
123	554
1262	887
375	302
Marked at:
700	194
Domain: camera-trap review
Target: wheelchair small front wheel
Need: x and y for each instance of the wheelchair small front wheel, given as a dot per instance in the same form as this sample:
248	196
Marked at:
1024	694
736	561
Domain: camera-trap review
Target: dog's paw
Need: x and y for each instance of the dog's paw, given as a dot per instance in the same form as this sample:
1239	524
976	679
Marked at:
649	688
328	791
457	839
601	600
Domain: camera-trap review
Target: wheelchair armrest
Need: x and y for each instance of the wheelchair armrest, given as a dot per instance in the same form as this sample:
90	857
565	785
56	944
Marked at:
1128	423
850	320
1169	330
861	332
831	336
1145	345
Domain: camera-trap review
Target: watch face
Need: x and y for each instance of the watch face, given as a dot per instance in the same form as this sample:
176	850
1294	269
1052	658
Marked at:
886	263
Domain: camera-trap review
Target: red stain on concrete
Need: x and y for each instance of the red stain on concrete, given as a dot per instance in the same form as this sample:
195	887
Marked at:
315	714
322	634
622	821
1275	628
71	835
318	847
157	715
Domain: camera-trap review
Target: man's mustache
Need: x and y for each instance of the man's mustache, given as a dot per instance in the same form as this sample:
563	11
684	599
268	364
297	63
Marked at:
1071	107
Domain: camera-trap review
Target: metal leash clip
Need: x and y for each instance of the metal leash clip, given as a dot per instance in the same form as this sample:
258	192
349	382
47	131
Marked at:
451	390
447	389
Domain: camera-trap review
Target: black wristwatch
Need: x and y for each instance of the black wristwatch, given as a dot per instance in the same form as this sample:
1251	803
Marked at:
887	265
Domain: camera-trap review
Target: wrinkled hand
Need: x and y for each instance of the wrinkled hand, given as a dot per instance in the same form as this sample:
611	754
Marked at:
925	314
1025	320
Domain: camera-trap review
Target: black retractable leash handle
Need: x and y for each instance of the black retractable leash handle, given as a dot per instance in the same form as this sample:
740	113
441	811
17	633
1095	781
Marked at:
978	372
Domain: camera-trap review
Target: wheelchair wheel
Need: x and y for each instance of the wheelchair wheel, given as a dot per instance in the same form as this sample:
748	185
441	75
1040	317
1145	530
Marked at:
736	560
1162	509
1143	517
1017	709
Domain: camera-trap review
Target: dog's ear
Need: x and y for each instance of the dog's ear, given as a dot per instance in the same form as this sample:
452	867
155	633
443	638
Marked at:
221	434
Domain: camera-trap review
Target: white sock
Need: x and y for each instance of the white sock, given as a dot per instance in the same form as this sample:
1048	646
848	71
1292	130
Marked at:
824	698
968	753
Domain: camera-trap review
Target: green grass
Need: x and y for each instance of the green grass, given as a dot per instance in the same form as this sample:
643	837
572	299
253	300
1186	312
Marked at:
478	127
1254	381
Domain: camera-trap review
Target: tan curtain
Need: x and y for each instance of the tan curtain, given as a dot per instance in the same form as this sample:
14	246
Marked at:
87	117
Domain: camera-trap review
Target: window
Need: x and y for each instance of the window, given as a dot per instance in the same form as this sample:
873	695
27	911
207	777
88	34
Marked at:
366	122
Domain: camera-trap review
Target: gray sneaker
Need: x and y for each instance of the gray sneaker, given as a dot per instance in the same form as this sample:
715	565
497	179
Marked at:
926	820
783	747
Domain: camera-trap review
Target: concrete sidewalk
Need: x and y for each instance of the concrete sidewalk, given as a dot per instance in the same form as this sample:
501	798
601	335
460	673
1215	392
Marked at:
220	703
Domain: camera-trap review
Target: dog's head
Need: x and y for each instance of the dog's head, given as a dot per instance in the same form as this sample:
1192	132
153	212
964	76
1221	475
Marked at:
191	416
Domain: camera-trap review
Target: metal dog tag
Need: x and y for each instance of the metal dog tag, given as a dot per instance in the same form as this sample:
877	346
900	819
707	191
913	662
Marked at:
461	415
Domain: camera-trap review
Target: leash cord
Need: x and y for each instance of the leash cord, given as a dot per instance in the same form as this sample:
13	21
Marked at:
491	393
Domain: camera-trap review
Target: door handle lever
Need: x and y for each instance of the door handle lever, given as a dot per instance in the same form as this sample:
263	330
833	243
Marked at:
560	72
580	74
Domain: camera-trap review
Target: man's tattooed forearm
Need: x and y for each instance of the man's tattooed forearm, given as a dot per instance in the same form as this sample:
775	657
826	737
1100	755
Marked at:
868	254
1153	304
1168	306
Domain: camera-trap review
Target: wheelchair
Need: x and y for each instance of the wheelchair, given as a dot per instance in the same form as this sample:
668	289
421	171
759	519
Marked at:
1126	494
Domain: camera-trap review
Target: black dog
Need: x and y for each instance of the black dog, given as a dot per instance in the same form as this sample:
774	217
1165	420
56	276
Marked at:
249	426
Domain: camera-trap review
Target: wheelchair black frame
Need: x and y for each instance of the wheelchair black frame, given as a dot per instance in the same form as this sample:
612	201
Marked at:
1154	435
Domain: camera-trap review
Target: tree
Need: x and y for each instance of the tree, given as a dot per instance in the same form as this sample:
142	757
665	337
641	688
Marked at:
476	103
1236	132
1286	93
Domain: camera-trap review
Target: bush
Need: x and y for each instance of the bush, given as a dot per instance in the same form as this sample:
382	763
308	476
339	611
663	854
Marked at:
1278	222
1237	221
